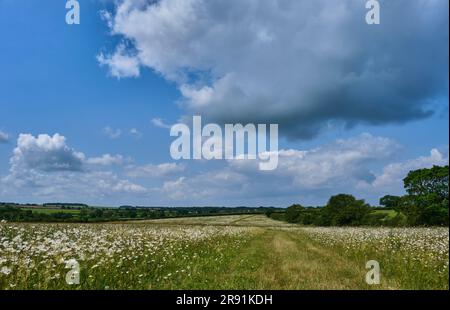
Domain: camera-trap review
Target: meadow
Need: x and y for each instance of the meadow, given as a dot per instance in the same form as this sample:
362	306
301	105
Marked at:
220	252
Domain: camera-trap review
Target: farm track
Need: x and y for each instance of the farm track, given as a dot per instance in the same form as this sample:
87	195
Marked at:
292	261
285	256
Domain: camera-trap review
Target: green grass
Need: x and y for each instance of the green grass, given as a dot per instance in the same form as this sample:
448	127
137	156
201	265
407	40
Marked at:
260	253
51	211
389	213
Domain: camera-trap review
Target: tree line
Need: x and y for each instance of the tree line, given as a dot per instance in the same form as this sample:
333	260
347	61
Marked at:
83	214
425	204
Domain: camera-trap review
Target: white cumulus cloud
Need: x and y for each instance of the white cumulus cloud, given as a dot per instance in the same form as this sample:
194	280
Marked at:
393	174
45	167
45	153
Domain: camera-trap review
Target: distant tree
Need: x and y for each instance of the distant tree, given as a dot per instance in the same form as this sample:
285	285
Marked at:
343	210
293	213
98	213
424	210
132	214
280	216
390	202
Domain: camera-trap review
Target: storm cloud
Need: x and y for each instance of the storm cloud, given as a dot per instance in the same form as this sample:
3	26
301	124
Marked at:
307	65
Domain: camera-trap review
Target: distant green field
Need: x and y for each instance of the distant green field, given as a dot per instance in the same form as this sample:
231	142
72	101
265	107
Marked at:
51	211
390	213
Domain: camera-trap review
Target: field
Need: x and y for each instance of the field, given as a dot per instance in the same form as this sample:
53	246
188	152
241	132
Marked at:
52	210
220	252
389	213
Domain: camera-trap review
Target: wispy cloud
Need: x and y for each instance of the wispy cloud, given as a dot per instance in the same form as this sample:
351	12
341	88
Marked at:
121	63
106	160
135	133
112	133
4	137
151	170
158	122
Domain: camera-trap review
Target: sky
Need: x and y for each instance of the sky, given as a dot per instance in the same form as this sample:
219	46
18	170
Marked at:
85	109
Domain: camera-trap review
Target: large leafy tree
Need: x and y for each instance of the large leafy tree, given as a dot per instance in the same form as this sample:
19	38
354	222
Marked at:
389	201
345	209
428	201
428	181
293	213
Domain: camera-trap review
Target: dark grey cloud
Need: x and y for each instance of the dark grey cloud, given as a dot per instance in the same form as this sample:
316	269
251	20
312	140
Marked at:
305	64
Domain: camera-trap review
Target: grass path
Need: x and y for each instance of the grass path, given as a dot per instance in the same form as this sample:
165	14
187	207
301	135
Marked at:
277	259
284	256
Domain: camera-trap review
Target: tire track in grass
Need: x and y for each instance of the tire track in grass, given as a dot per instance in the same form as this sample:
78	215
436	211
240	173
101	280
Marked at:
277	259
242	219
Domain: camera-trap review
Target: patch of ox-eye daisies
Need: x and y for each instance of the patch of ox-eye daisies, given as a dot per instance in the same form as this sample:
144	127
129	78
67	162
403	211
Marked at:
110	255
413	249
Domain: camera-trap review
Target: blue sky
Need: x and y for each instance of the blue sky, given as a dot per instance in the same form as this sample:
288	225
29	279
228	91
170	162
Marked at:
362	130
